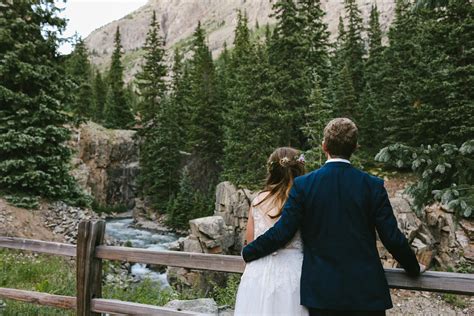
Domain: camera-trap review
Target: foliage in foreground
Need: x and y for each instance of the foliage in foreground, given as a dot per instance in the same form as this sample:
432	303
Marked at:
56	275
446	173
33	96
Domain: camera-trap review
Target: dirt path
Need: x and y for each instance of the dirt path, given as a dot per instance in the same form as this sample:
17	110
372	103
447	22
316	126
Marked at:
20	222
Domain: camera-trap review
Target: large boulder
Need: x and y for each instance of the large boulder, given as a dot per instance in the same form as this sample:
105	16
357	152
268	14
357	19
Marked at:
212	234
233	205
105	164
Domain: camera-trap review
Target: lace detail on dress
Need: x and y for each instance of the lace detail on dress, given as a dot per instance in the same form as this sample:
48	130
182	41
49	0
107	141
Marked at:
262	223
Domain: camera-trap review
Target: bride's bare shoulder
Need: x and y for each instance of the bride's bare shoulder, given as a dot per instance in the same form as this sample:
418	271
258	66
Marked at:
260	197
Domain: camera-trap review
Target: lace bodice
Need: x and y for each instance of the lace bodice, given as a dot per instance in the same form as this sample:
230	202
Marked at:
262	222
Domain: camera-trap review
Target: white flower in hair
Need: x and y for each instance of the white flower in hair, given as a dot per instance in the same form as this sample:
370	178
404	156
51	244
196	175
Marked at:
284	161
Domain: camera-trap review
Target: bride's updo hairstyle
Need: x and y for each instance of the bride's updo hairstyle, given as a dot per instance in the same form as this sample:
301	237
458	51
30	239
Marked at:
284	164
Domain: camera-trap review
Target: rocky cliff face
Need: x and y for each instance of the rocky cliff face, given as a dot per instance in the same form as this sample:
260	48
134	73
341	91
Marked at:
178	19
434	235
106	164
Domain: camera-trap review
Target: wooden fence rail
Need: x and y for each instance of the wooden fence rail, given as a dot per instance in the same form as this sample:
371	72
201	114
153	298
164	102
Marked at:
89	253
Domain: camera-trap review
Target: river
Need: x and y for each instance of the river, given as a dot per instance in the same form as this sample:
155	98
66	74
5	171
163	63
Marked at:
123	230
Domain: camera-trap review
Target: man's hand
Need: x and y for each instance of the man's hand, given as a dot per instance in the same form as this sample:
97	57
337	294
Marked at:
422	268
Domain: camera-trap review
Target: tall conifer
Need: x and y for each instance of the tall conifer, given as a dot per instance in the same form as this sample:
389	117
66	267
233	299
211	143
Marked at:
117	113
205	132
79	69
288	52
33	153
151	79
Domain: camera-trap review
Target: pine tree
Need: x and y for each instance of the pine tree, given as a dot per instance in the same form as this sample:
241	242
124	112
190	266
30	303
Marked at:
79	69
317	35
159	150
318	114
188	203
251	126
180	208
180	92
117	113
288	55
347	81
354	46
100	97
33	154
160	157
372	107
151	79
345	104
398	79
205	134
444	74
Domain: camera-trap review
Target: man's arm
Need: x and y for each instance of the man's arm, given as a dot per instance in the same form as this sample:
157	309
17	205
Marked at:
392	238
282	232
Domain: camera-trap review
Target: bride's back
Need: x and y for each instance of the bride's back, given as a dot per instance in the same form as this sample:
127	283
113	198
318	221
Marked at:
263	216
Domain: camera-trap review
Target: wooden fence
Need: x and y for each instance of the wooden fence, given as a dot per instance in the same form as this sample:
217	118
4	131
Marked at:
90	251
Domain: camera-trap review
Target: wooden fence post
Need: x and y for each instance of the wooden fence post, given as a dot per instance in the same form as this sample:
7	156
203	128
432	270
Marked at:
89	268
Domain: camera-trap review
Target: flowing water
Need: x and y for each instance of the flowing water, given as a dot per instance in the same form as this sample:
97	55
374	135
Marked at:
123	230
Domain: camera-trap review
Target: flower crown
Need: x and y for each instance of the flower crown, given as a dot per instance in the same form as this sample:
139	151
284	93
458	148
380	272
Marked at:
285	161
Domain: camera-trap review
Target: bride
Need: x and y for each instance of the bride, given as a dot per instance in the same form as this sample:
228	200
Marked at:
271	285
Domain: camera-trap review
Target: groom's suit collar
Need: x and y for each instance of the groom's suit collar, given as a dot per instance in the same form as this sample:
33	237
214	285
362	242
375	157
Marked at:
337	162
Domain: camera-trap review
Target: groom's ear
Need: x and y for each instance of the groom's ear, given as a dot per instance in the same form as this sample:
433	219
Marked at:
323	145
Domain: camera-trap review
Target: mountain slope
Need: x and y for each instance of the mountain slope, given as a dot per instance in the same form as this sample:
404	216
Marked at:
178	19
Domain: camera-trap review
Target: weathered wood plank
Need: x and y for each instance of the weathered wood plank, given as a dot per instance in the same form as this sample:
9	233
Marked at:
59	301
190	260
89	267
54	248
98	305
101	305
446	282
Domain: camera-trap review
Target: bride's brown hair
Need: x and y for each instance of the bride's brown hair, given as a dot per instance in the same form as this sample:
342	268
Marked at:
283	165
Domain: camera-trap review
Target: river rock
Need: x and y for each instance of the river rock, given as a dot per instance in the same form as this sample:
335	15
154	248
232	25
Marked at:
64	219
202	305
212	234
106	163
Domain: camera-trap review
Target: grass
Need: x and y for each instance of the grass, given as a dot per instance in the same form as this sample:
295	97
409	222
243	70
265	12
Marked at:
458	300
47	274
56	275
455	300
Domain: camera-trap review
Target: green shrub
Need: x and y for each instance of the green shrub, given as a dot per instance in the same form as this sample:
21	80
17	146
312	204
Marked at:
445	173
108	209
225	296
188	203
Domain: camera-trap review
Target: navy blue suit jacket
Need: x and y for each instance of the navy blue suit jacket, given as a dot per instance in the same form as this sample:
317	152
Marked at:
338	209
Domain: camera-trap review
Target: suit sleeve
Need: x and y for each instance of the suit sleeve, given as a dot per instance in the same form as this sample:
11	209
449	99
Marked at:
392	238
282	232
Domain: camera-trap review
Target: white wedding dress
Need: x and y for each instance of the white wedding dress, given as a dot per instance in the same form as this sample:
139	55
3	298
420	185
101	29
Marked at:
271	285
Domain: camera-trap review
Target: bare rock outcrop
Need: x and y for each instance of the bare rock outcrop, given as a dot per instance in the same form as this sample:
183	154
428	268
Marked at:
233	205
178	19
106	164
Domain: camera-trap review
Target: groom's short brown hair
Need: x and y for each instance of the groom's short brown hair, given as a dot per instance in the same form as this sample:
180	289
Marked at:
340	138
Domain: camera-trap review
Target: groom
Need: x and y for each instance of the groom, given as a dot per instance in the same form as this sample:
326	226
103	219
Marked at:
338	210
